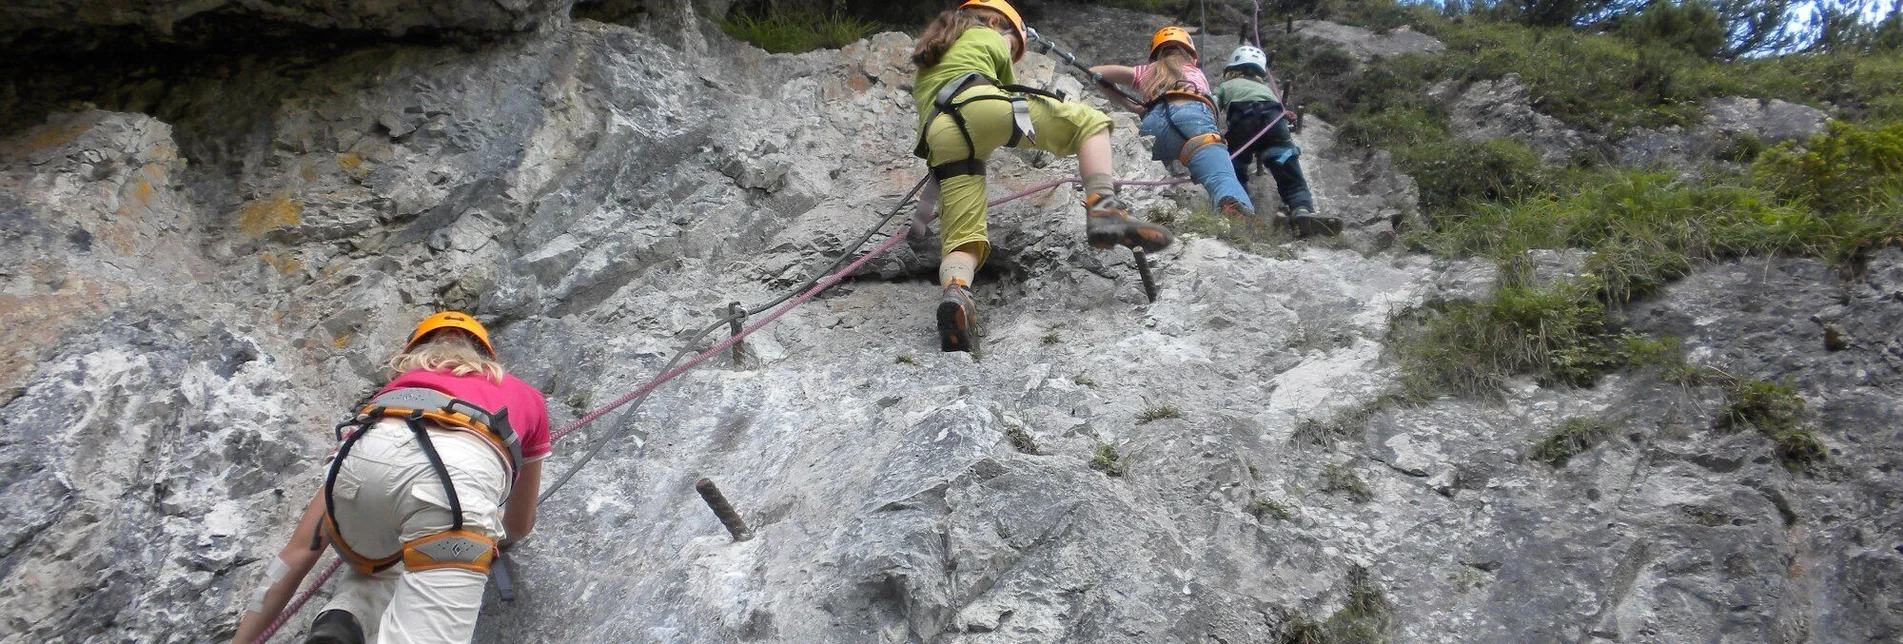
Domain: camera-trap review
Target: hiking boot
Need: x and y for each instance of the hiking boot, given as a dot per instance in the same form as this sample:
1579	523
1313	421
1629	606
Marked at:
1306	223
335	627
1233	209
1109	224
957	320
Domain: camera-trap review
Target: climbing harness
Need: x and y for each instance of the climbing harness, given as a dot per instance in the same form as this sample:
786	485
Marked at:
422	409
946	103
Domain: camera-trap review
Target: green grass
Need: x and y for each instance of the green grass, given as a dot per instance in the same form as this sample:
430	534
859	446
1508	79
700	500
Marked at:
1272	508
1107	460
1365	617
1343	425
1571	437
1777	412
1159	412
1021	439
797	31
1337	478
905	359
1836	197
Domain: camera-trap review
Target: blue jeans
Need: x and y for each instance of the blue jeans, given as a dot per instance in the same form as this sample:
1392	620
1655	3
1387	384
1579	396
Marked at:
1173	125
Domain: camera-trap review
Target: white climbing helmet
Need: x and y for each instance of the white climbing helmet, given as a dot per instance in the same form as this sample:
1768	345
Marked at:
1249	56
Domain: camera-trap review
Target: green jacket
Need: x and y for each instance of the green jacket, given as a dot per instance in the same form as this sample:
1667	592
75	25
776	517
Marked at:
980	50
1242	90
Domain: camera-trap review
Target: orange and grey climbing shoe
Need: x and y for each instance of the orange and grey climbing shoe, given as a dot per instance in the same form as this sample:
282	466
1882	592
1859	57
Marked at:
1109	224
957	319
1233	209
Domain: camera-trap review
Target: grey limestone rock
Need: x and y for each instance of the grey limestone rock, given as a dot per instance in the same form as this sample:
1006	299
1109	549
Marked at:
112	24
1364	44
193	292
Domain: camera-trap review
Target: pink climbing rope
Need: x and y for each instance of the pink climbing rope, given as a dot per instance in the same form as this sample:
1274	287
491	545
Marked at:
298	603
717	349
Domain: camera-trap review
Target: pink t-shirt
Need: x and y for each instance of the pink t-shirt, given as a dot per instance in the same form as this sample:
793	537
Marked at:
1191	74
528	410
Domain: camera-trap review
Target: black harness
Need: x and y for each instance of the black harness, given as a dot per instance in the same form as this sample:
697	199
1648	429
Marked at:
946	103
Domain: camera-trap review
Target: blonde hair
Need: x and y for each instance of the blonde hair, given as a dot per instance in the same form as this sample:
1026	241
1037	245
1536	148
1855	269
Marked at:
449	351
1166	71
948	26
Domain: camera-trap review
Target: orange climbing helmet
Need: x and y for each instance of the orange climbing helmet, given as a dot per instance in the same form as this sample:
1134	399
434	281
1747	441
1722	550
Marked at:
451	320
1017	22
1169	35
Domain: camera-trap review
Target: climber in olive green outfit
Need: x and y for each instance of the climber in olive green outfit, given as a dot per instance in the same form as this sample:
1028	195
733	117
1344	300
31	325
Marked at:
969	107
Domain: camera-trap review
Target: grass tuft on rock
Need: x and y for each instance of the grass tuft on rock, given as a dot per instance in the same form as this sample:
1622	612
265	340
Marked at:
1159	412
1107	460
1777	412
1365	617
1272	508
1337	478
1021	439
1571	437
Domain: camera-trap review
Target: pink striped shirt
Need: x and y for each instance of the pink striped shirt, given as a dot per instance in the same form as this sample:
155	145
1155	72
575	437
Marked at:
1191	74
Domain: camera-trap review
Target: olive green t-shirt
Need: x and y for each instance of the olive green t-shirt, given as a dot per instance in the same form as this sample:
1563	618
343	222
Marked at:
979	49
1242	90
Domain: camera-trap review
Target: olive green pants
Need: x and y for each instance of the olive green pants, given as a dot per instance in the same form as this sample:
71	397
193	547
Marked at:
1062	127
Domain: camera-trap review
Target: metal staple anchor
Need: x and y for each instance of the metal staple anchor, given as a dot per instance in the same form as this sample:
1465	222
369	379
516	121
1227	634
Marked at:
723	510
502	573
734	315
1143	271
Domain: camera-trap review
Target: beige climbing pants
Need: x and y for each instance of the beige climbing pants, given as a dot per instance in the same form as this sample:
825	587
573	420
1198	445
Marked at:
387	494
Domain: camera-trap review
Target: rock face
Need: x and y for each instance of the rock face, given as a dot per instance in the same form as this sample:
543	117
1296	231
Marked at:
1365	45
1729	123
1499	109
57	25
195	291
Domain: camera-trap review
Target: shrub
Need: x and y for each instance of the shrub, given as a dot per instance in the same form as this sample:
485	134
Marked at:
1847	169
1689	25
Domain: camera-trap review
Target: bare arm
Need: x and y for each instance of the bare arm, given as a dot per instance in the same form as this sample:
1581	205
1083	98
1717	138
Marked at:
1109	77
297	558
518	515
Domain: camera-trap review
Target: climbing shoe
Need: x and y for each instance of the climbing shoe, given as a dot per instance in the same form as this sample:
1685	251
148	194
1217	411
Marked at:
1233	209
1109	224
957	320
1306	223
335	627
